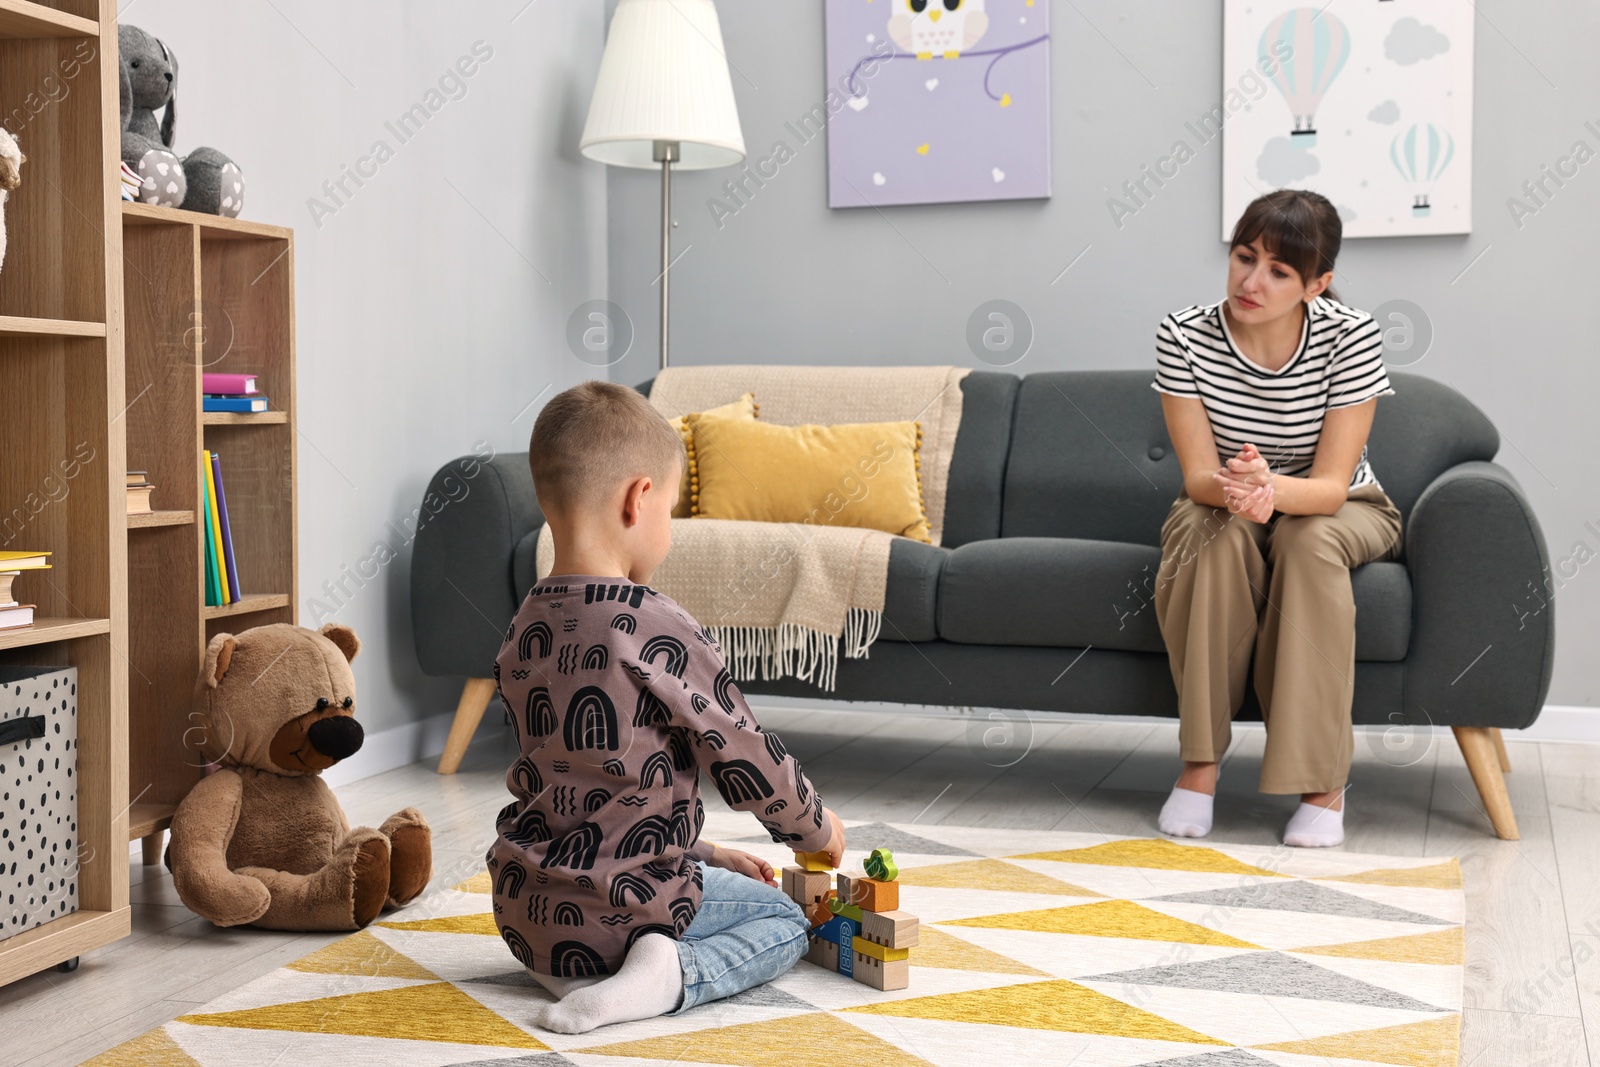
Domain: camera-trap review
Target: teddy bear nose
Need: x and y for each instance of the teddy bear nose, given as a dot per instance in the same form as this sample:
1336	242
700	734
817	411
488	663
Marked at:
169	75
338	737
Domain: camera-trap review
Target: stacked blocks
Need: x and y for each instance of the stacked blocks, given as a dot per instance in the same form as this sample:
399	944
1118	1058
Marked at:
857	927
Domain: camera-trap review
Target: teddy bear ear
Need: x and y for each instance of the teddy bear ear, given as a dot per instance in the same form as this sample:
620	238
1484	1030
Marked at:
219	654
344	637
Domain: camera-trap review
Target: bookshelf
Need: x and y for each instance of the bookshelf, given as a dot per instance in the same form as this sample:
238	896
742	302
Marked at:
61	365
201	293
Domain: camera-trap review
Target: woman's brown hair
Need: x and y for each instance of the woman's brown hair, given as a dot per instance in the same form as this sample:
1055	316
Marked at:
1298	226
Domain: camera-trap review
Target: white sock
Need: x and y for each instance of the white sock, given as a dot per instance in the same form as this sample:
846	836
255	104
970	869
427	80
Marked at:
649	983
1313	826
560	987
1186	813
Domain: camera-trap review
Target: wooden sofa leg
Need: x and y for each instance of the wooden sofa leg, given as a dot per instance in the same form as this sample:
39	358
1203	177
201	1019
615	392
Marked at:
150	845
1500	750
1478	748
469	713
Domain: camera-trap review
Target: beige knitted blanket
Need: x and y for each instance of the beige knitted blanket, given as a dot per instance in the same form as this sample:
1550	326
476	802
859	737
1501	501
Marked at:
781	597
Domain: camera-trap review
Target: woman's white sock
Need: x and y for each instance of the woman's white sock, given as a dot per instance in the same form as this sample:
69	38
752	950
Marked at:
1314	826
649	983
1186	813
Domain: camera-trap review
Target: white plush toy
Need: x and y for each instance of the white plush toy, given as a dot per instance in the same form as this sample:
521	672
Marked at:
11	160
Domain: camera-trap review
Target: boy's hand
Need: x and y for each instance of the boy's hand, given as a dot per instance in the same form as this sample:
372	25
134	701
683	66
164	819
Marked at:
731	859
835	846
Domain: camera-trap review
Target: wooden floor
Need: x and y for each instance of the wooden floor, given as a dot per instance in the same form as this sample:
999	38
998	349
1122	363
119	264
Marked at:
1533	906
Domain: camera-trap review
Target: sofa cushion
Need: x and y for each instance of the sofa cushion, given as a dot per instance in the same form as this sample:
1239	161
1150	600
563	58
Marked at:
978	462
1070	593
522	564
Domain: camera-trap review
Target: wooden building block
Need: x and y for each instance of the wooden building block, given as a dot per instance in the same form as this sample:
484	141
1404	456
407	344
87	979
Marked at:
814	861
873	895
877	951
820	912
823	953
844	881
892	929
812	886
894	974
880	865
840	929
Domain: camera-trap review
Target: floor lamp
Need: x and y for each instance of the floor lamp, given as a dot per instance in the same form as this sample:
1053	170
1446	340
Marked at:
664	99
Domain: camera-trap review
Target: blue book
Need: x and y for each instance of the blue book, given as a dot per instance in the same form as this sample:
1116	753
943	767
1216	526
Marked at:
234	403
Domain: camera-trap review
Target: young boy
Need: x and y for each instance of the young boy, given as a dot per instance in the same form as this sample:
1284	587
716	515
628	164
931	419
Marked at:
602	888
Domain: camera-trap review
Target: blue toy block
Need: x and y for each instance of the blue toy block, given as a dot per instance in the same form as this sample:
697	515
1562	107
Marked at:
840	929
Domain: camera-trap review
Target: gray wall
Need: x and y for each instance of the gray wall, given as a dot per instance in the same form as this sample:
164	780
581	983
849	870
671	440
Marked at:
788	280
431	305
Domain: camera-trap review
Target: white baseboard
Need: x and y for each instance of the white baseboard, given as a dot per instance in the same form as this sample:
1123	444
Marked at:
392	748
400	745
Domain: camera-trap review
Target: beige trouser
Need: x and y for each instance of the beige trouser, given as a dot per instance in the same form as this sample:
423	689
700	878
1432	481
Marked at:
1218	571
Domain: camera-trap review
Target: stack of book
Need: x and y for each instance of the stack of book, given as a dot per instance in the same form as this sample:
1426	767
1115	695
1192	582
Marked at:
231	392
222	573
15	616
131	182
139	488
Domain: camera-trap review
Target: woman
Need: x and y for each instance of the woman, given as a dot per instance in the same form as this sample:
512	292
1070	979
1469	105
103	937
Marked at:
1256	552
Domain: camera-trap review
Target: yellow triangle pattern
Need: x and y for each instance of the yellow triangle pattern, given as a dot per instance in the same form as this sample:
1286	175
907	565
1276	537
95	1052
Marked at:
1446	875
815	1040
935	948
434	1012
450	924
1432	1043
1152	854
1055	1005
478	883
154	1049
990	874
365	955
1111	918
1442	947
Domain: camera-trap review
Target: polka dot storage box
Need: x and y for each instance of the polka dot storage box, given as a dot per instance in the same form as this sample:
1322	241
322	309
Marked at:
38	796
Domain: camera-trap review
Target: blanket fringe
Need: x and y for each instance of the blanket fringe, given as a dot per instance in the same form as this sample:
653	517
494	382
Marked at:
791	650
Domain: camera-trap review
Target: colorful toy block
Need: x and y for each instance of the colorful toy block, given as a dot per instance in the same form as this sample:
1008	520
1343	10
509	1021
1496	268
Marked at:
815	861
840	930
880	865
877	951
873	895
892	929
844	881
893	974
820	912
839	907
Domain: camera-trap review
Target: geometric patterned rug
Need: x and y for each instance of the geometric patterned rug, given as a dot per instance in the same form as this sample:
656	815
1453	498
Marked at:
1036	947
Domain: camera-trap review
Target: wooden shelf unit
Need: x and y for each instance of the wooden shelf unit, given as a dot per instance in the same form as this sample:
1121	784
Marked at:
62	446
202	294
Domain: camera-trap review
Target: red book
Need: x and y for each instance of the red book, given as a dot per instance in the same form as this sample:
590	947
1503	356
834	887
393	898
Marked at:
228	384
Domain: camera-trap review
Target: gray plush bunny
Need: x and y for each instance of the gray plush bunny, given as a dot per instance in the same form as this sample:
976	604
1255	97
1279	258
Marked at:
205	180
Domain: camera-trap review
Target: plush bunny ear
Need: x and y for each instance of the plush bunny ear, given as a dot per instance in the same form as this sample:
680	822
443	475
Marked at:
169	121
219	654
125	92
344	637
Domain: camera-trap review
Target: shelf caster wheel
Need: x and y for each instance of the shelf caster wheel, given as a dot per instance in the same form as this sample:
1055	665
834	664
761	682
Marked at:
68	966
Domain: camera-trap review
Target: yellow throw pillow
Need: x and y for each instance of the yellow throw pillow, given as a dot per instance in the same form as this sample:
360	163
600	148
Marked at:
866	474
743	408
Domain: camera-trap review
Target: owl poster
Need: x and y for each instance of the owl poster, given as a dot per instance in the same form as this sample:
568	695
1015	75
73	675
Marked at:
934	101
1368	103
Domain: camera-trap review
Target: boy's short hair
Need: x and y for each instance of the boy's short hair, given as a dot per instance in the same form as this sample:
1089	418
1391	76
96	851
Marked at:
591	438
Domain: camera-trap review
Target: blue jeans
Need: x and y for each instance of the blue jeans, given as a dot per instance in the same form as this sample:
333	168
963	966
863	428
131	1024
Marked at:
745	933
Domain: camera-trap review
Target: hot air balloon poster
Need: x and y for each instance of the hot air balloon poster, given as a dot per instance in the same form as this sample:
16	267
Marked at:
1367	103
934	101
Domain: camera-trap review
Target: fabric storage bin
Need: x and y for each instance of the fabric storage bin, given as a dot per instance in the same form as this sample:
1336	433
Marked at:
38	796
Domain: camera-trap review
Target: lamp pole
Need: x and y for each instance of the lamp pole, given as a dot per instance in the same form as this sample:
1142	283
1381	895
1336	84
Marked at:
665	153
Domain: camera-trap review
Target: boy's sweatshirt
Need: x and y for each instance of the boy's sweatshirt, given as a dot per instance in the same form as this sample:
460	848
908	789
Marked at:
619	699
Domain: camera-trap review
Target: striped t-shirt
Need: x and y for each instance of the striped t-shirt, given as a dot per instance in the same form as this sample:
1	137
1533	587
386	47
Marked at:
1339	364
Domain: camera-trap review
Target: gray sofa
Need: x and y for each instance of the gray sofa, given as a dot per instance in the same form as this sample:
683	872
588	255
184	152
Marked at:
1058	486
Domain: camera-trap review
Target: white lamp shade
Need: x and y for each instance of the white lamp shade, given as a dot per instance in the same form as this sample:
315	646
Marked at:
664	77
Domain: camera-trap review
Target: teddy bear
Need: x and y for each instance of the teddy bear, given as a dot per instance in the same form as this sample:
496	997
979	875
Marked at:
11	160
261	840
205	180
